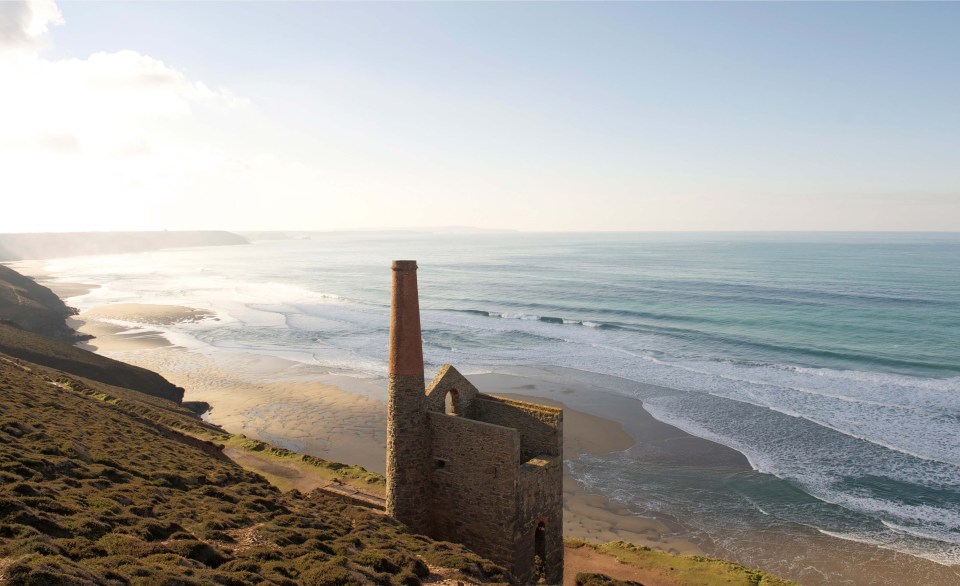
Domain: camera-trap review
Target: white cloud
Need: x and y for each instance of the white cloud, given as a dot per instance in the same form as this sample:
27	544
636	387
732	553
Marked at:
104	102
23	22
119	140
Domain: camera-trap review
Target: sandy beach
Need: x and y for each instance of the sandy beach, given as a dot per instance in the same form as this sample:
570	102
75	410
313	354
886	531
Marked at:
343	419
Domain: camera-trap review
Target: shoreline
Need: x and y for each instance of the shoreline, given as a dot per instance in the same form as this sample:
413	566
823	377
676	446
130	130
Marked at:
295	410
342	418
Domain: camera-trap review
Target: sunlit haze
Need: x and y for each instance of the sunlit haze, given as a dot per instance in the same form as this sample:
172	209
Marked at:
532	116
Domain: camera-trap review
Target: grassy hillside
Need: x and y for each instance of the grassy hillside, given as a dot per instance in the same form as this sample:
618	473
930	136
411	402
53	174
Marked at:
98	485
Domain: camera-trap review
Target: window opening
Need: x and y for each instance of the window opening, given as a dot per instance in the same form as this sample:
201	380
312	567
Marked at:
540	554
450	402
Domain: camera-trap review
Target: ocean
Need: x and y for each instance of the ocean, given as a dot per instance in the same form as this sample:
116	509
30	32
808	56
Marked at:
830	360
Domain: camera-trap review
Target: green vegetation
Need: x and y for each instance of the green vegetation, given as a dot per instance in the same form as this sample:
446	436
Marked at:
103	485
676	569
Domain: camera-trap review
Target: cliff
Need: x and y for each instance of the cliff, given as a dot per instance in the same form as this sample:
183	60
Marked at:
19	343
33	328
52	245
33	307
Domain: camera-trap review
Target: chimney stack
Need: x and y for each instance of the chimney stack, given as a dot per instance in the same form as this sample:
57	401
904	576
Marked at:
406	346
408	433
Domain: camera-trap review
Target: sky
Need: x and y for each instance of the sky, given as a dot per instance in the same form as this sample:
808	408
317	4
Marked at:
526	116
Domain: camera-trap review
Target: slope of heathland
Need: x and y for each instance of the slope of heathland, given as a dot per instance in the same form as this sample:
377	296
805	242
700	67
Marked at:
102	485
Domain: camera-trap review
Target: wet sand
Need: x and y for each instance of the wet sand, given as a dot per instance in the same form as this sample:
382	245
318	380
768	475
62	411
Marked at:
158	315
104	323
268	399
66	290
588	516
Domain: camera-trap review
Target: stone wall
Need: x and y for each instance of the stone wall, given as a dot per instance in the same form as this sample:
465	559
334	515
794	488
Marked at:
488	476
540	427
462	391
539	496
459	477
408	452
473	485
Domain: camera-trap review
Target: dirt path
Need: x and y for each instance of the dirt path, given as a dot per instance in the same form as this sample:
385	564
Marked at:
289	476
4	564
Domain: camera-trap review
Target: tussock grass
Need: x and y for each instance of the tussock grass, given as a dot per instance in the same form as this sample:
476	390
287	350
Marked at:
102	485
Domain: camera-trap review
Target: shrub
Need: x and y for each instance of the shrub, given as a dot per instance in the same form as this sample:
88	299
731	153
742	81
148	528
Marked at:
40	570
407	578
380	561
332	573
86	527
202	552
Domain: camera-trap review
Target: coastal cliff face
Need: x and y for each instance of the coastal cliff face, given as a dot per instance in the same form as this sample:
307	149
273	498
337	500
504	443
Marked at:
32	306
33	327
19	343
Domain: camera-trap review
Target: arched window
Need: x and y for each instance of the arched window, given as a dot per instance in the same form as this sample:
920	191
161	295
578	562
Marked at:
450	402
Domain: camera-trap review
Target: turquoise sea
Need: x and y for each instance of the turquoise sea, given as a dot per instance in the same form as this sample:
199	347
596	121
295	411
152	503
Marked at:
830	360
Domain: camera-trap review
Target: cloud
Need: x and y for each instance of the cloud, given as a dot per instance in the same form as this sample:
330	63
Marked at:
121	140
104	102
24	22
61	143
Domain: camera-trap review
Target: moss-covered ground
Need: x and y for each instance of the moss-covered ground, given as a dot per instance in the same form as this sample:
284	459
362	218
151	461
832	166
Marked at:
101	485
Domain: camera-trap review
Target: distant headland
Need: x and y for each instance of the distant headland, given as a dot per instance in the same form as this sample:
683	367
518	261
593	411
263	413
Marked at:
31	246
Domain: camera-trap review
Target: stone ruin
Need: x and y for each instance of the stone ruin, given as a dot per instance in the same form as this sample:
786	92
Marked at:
485	472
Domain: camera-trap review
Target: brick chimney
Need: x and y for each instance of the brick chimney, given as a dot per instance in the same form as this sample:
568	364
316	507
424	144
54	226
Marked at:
408	435
406	346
